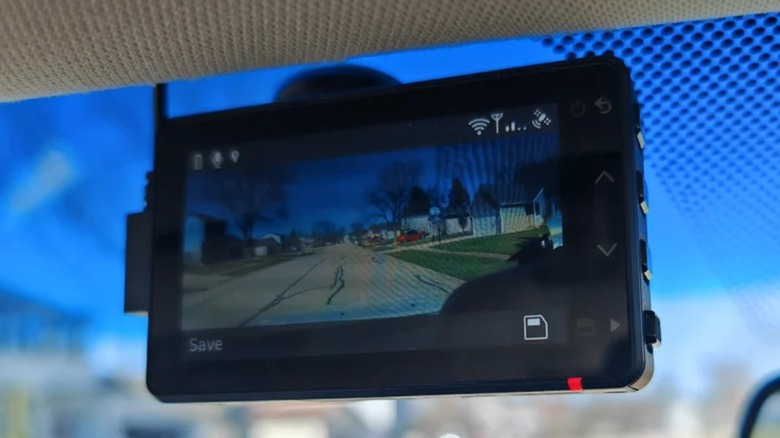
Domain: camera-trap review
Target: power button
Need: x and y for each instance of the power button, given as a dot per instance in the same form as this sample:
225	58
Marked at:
577	109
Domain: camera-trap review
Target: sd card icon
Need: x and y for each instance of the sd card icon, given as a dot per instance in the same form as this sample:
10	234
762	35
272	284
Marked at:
535	328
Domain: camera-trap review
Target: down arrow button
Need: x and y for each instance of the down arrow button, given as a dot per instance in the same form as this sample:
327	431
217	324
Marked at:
607	250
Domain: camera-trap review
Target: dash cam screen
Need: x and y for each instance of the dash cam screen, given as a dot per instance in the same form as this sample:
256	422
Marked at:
384	233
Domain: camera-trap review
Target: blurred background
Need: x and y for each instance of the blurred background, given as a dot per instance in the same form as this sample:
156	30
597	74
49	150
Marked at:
72	365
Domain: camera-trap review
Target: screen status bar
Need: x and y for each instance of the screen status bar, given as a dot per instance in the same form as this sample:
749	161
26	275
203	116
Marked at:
478	126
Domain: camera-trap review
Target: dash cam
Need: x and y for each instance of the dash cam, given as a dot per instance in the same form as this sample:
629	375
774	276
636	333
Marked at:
478	234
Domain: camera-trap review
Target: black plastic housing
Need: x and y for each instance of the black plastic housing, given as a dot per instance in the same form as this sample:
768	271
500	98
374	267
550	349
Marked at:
603	227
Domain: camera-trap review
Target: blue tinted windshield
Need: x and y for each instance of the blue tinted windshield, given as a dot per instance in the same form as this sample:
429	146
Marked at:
710	96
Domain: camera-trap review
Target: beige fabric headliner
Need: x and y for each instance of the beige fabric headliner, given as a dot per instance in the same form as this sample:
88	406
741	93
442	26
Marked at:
59	46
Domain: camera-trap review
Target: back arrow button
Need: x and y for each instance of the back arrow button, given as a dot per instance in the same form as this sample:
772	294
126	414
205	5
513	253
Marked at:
604	105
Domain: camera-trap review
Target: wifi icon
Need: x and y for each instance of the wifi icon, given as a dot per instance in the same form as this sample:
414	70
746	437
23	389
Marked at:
479	125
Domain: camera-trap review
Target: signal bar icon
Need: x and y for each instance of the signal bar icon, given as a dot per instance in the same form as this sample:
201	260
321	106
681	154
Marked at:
479	125
512	127
496	117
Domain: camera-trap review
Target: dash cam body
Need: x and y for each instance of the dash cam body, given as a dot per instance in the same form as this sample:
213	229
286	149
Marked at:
479	234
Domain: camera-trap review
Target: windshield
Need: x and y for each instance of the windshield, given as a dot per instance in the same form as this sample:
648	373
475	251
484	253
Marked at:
73	364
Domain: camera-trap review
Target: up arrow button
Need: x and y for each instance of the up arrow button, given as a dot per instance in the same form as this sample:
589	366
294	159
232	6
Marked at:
604	176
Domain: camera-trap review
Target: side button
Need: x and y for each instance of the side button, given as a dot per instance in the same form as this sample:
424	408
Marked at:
640	139
644	202
652	329
646	261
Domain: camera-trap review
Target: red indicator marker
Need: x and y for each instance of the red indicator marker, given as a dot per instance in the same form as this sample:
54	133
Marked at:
575	383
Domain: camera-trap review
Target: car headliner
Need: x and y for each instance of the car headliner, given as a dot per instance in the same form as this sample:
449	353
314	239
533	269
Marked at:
53	47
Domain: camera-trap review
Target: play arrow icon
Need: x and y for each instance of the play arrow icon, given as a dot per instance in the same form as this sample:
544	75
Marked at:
607	252
613	325
604	175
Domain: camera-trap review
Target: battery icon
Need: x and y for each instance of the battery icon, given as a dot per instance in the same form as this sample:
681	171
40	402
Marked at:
535	328
197	161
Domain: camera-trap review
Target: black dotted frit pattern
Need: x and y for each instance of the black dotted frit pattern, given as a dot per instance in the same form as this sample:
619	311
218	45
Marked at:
710	98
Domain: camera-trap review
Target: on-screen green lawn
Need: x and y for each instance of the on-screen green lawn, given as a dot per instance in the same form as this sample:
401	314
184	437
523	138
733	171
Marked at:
464	267
391	243
507	244
430	238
